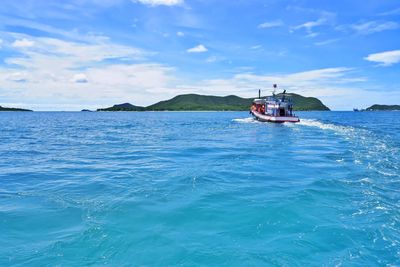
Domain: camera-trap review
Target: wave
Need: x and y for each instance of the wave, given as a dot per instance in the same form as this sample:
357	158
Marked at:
326	126
369	164
375	152
364	144
304	122
246	120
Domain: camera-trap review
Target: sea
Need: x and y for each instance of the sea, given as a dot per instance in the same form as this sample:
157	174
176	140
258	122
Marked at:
199	189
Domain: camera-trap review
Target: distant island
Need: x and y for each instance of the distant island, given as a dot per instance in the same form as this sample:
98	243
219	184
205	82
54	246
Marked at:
13	109
377	107
194	102
123	107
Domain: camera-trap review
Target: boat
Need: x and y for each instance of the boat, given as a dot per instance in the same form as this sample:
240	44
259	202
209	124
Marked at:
273	108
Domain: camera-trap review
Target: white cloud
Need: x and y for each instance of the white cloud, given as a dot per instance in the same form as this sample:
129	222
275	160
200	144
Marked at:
326	42
160	2
212	59
50	72
325	18
80	78
1	43
312	34
323	83
17	77
270	24
57	72
374	26
197	49
386	58
298	78
180	34
23	43
255	47
310	24
54	31
53	64
369	27
392	12
63	54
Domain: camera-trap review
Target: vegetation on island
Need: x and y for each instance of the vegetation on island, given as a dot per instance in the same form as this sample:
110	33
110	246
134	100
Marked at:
13	109
202	103
194	102
377	107
123	107
302	103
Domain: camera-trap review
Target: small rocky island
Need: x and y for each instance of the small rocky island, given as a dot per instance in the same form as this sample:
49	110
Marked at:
13	109
377	107
194	102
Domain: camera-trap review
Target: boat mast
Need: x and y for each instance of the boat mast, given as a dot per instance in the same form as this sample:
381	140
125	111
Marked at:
283	95
274	86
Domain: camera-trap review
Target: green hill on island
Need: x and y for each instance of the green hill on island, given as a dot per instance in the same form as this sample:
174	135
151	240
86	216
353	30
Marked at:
383	107
13	109
302	103
194	102
202	102
123	107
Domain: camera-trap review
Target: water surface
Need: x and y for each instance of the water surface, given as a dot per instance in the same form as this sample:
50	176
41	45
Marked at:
199	188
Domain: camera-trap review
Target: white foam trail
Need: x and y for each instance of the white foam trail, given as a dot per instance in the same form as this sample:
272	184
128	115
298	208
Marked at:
246	120
369	147
326	126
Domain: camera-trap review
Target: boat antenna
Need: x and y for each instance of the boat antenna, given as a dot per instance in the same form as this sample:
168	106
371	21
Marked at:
283	95
259	93
274	86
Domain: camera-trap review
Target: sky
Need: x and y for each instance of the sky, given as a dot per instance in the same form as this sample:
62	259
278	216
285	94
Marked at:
88	54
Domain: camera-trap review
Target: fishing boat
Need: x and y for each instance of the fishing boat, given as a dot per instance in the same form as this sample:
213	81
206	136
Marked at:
273	108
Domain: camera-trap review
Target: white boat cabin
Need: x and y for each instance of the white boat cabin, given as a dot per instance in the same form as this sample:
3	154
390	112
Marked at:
273	106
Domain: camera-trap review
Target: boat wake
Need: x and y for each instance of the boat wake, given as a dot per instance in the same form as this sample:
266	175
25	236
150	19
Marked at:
368	164
246	120
375	152
305	122
327	126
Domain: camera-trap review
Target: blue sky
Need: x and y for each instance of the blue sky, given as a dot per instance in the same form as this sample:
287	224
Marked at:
70	55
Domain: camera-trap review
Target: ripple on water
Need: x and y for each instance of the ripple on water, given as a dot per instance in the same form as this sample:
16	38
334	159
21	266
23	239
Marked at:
198	189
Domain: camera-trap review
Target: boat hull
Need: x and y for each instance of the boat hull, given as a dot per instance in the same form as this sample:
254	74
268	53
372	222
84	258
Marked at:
277	119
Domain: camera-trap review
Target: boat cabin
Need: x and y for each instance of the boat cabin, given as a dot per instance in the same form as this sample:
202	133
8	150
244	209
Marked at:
279	106
273	106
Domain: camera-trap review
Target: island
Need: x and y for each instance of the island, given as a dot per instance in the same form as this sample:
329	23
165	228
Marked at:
377	107
123	107
195	102
302	103
13	109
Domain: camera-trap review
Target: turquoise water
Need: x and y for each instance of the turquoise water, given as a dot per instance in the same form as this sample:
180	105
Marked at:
196	189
